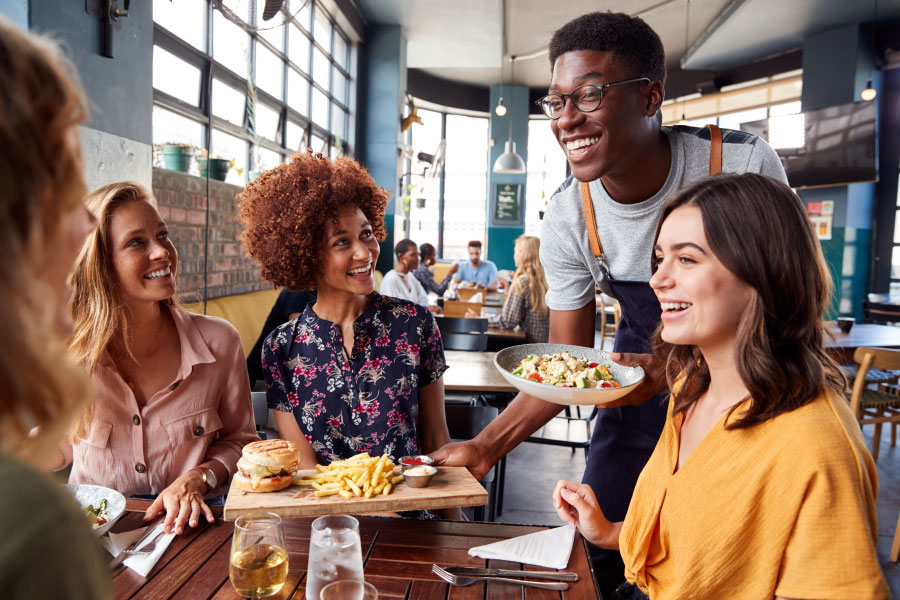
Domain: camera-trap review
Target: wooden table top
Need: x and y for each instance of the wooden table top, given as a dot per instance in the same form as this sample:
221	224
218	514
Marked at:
474	372
517	334
843	345
397	556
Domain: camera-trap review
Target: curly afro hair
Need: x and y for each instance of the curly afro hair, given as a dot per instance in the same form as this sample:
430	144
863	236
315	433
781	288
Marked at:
285	213
631	41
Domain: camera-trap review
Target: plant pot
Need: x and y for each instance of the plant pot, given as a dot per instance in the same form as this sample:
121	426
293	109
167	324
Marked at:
218	168
541	215
420	202
176	158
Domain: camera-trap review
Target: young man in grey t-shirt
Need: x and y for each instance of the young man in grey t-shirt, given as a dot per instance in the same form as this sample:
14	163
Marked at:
608	71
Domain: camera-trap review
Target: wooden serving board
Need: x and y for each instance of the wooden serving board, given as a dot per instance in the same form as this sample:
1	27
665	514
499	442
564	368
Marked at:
451	487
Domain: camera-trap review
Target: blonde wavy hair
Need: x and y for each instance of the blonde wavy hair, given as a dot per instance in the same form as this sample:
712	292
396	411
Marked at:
98	306
532	271
41	105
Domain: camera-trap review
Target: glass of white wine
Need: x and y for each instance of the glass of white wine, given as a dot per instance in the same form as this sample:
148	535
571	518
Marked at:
259	561
349	589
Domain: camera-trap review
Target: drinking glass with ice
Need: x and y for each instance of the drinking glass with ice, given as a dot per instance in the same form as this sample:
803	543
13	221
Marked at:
334	553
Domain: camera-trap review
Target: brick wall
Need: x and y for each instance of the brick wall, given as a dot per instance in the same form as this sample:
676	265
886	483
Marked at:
182	204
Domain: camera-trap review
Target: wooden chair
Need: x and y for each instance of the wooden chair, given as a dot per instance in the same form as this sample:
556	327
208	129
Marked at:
608	306
458	308
875	407
883	312
895	547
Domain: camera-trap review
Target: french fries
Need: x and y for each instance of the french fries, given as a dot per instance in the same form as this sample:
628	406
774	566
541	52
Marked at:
360	476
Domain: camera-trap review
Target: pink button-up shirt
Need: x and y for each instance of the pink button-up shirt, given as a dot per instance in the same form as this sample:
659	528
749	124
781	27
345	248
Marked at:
206	413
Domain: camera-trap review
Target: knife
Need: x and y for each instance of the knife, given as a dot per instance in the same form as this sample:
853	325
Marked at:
479	572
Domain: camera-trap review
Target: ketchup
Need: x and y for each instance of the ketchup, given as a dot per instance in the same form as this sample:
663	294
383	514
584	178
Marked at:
414	461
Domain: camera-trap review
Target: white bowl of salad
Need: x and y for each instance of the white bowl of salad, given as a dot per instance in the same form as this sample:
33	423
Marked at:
566	374
102	506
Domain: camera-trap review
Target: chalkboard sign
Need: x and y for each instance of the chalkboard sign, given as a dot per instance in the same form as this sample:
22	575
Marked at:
507	202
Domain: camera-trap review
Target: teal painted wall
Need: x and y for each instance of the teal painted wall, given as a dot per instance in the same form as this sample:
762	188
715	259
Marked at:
385	95
501	237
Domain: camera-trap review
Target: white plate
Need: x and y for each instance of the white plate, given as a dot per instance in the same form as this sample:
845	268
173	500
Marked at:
508	359
92	494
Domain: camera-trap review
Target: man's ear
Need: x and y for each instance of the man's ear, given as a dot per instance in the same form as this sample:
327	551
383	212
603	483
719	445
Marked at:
654	96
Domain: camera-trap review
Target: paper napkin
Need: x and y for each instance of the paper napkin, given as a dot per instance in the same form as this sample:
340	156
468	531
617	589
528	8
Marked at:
476	298
549	548
140	563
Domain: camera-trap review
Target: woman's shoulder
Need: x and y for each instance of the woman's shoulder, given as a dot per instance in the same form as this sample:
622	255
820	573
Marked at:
821	433
25	486
214	330
395	307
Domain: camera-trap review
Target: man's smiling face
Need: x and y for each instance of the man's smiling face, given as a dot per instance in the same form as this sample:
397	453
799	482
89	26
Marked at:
597	142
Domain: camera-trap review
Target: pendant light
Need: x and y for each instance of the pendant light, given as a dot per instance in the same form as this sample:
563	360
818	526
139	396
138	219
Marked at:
869	93
500	109
510	162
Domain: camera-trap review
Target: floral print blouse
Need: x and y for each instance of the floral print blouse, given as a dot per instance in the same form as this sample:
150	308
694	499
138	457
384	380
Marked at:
367	402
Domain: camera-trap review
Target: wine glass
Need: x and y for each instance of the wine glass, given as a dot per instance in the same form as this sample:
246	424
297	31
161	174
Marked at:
334	553
259	561
349	589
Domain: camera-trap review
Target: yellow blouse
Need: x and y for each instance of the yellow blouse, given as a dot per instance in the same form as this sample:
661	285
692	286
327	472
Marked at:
783	508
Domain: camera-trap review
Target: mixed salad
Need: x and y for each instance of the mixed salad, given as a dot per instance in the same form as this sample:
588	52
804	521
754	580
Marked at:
564	370
98	514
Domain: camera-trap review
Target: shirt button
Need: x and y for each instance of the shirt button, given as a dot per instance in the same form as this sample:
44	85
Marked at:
136	420
140	468
198	430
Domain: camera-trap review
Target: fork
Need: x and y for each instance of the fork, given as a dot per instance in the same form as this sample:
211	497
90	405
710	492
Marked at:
149	546
460	580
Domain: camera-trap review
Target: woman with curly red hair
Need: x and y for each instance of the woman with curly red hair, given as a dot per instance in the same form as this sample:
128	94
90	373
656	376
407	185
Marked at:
356	371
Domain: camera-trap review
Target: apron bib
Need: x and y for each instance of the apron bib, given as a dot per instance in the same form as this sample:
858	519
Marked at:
624	437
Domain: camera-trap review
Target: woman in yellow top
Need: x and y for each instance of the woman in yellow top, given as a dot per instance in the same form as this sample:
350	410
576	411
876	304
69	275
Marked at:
760	485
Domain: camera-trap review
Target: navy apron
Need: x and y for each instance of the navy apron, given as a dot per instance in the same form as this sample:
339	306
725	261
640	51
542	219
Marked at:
624	437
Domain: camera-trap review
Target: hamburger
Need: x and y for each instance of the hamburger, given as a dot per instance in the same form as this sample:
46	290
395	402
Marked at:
267	466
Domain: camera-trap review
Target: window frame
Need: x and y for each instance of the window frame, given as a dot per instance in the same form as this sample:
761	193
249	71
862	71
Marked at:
211	69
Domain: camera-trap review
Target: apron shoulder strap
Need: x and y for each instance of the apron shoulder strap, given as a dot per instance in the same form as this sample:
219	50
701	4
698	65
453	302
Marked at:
715	149
589	220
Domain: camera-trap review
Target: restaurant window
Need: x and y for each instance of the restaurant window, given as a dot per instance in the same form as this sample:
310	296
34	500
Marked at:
423	185
465	184
546	172
296	105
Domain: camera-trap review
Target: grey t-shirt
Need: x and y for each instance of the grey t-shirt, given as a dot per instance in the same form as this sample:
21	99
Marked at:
627	230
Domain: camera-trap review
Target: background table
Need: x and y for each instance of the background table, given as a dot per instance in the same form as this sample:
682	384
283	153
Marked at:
474	372
843	345
397	556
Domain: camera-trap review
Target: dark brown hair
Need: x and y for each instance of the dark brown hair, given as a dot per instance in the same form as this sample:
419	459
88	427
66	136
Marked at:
285	212
474	244
758	229
403	246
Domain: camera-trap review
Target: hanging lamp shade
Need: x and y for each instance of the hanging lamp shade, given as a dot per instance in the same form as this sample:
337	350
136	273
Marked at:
509	162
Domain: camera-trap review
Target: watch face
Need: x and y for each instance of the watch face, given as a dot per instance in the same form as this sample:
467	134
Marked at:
210	478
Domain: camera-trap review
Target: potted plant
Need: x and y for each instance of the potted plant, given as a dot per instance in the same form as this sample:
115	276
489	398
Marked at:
544	207
176	156
218	167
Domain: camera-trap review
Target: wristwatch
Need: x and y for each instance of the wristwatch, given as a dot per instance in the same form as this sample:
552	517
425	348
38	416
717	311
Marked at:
209	478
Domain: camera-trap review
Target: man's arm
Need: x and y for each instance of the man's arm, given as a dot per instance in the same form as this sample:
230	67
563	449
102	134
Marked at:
525	414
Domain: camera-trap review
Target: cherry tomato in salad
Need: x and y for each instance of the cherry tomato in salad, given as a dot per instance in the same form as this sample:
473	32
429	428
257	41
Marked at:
535	377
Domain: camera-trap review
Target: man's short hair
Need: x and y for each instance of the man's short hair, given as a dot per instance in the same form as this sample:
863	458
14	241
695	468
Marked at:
475	244
630	40
403	247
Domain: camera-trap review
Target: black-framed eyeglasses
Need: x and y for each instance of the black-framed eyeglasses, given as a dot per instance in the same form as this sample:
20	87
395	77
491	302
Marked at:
586	98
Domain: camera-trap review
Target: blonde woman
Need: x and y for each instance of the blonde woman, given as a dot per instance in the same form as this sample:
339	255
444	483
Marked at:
172	409
525	304
43	223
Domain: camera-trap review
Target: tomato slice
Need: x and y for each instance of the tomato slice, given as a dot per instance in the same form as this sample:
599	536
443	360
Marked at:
535	377
592	365
606	384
